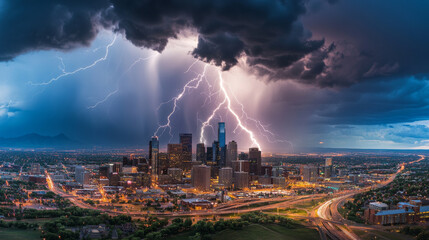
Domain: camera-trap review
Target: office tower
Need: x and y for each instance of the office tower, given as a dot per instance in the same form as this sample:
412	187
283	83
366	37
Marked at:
117	167
114	179
174	152
243	156
328	169
209	155
241	180
153	154
35	169
255	159
186	141
232	154
78	174
221	134
104	171
310	173
127	161
201	153
328	161
225	177
221	138
86	178
175	174
241	166
216	152
164	163
200	177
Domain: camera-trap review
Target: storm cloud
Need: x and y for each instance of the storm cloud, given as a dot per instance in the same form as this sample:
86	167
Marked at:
318	42
268	33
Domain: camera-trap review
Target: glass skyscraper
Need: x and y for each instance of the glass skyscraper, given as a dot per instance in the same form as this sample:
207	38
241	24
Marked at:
221	134
222	144
186	141
153	154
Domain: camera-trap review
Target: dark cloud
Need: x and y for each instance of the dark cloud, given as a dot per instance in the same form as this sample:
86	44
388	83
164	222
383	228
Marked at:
374	40
46	24
267	32
328	43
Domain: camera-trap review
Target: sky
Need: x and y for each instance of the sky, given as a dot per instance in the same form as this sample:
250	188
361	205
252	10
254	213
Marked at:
296	74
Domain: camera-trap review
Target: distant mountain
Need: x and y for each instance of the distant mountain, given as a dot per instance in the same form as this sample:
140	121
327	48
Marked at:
34	140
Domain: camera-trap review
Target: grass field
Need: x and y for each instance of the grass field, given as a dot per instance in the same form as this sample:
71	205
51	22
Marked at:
17	234
260	232
294	211
310	203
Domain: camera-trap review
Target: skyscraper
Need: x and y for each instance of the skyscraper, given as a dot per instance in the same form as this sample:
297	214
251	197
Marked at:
201	153
163	163
186	141
328	169
200	177
79	174
175	155
310	173
328	161
216	152
255	159
226	177
209	155
153	154
221	134
222	144
231	154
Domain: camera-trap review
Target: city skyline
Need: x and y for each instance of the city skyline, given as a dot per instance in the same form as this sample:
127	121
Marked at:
214	119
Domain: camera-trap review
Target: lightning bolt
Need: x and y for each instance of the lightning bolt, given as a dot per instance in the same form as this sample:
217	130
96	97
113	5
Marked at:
227	101
209	119
239	123
263	130
139	60
64	74
104	99
196	81
117	90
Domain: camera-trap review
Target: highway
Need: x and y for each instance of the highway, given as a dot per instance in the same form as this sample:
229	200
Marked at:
330	222
326	218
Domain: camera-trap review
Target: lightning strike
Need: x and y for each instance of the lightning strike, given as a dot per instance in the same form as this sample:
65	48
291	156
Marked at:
207	122
139	60
263	130
198	79
104	99
227	101
64	74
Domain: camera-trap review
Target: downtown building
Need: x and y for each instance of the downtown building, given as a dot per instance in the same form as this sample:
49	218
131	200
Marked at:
226	177
405	213
200	177
186	142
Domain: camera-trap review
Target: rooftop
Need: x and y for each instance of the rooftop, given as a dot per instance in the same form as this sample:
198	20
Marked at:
392	212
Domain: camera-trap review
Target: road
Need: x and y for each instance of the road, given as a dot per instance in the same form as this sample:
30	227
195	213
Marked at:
326	218
330	222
